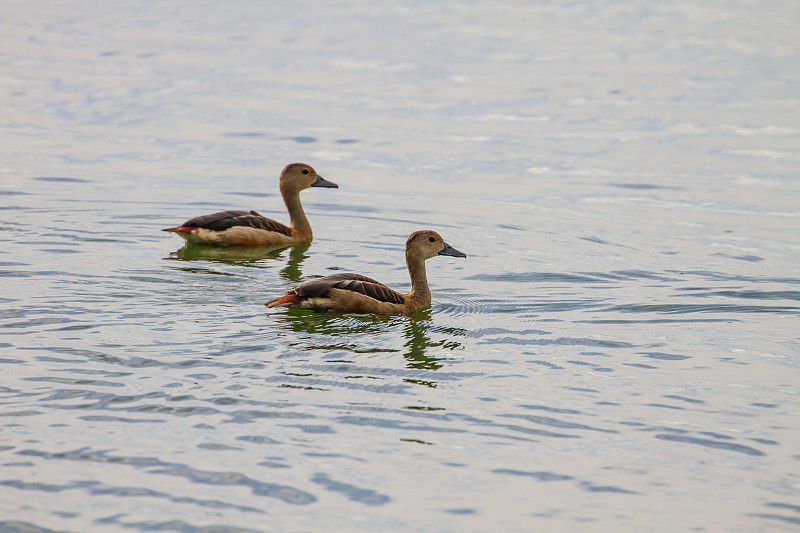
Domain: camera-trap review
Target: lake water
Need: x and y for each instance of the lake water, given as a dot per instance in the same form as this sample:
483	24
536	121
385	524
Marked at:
619	351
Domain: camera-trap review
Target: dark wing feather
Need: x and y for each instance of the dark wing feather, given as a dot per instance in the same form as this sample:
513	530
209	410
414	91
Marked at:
378	291
350	282
228	219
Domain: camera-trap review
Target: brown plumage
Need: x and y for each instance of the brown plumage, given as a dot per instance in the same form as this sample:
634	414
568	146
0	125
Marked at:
249	228
354	293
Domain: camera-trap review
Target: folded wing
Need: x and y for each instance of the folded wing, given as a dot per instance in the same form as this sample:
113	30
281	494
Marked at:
351	282
229	219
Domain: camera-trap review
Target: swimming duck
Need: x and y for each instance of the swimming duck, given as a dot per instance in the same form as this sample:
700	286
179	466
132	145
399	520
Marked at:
354	293
248	228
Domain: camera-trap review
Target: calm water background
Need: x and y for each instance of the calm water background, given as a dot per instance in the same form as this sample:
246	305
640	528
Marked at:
618	353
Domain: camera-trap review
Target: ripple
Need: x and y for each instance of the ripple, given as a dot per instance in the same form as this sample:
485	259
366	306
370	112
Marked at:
244	134
728	446
281	492
68	381
539	476
457	306
96	488
665	356
302	139
62	179
174	525
353	493
537	277
497	331
311	383
750	295
523	308
701	308
549	477
531	431
738	278
554	422
102	418
257	439
386	423
552	409
780	506
604	488
16	526
561	341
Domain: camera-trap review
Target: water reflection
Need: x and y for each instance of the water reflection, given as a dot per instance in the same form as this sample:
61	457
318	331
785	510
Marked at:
332	323
416	332
364	334
247	256
291	271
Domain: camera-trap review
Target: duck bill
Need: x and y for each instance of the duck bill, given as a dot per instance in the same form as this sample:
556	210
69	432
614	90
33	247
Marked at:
322	182
449	250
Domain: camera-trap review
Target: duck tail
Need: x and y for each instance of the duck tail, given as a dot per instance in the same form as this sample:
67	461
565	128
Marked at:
289	299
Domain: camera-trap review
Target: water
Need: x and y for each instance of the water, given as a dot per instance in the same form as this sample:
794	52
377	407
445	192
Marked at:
619	352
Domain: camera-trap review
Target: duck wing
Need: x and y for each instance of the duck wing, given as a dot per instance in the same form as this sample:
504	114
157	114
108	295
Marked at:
350	282
229	219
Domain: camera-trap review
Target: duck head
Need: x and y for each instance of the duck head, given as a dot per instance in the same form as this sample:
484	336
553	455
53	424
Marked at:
298	176
427	243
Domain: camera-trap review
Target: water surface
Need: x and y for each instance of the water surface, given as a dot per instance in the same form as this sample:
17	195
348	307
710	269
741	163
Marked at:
619	351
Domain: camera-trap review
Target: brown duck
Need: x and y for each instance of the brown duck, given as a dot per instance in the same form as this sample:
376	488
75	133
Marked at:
248	228
354	293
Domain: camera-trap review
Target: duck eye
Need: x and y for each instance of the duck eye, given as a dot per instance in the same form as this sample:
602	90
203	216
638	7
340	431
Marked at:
432	239
305	171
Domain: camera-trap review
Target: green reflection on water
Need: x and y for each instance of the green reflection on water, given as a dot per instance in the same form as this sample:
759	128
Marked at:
247	256
327	330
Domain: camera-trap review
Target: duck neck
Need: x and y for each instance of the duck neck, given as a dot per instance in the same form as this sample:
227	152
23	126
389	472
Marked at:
419	280
296	214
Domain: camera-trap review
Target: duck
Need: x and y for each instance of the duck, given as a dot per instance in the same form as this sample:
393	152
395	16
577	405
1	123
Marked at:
354	293
249	228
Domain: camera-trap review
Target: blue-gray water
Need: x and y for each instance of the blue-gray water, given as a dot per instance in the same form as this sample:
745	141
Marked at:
619	352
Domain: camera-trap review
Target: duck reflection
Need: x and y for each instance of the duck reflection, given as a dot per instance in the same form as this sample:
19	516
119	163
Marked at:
334	324
247	256
418	340
416	330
